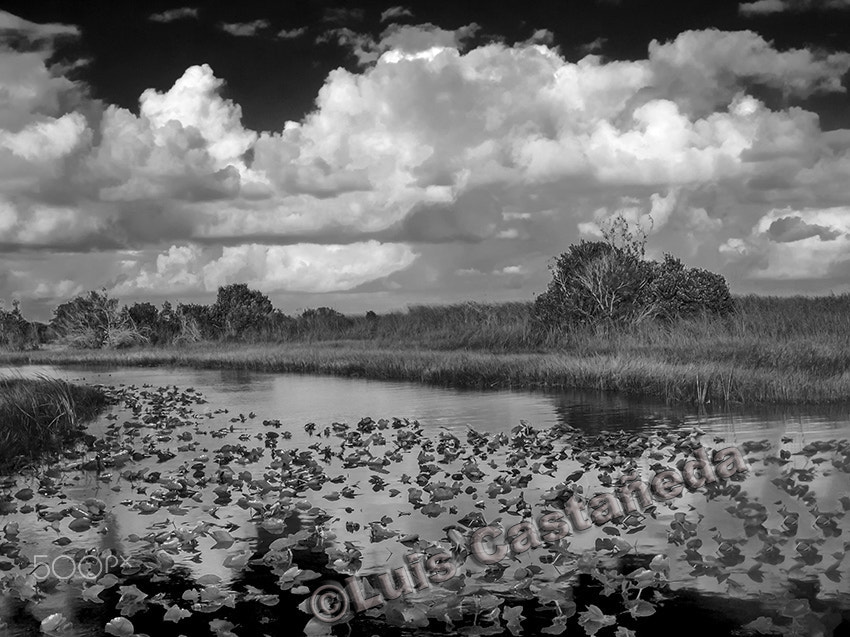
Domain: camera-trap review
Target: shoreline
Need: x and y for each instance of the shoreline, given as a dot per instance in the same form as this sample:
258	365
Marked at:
631	373
43	416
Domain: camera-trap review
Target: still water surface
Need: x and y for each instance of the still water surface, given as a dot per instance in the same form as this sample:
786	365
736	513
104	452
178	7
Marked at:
295	400
298	399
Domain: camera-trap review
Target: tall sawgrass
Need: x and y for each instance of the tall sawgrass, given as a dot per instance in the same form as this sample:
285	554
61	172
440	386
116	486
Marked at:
511	327
631	372
502	326
771	350
42	415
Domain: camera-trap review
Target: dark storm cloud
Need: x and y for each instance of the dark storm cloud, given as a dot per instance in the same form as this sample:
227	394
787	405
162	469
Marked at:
444	165
789	229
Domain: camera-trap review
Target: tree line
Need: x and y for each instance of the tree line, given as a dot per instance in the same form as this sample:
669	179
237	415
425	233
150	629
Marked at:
599	285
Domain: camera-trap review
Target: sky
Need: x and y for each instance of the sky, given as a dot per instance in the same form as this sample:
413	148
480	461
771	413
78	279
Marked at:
375	155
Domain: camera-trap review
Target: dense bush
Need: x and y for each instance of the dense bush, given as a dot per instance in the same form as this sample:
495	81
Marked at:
196	322
687	292
145	317
596	283
321	322
602	285
239	309
326	316
94	320
168	325
15	331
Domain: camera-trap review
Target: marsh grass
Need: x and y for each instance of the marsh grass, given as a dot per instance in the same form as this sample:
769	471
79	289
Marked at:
772	350
42	415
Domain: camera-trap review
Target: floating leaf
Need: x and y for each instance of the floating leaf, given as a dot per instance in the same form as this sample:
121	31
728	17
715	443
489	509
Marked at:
222	628
175	614
593	620
91	593
640	608
558	626
120	627
513	616
54	624
80	524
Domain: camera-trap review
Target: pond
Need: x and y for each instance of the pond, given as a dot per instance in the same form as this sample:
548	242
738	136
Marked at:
217	511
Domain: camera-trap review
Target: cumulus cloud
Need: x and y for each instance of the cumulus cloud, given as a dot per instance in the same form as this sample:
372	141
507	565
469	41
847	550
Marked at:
593	46
13	28
35	225
394	13
787	244
701	70
171	15
307	267
789	229
56	290
245	29
399	38
291	34
187	142
764	7
46	140
32	85
436	148
541	36
300	267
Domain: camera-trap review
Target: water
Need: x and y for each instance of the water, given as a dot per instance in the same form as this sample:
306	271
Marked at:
298	399
250	398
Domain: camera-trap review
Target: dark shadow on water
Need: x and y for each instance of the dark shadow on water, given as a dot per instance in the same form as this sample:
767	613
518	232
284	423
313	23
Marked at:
688	611
597	411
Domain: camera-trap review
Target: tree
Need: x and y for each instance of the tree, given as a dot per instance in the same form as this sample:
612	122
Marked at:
610	283
325	317
145	317
15	331
94	321
167	324
597	284
196	322
238	309
682	291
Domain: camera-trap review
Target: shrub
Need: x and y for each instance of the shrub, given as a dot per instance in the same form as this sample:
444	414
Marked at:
93	321
239	309
597	284
323	318
15	331
188	330
686	292
320	323
145	317
196	322
609	283
167	324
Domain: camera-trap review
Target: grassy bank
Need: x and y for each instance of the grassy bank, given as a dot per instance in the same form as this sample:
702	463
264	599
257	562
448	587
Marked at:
511	327
40	416
772	350
695	373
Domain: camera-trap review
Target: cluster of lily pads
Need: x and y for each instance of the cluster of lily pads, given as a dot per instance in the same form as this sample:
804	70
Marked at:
275	510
